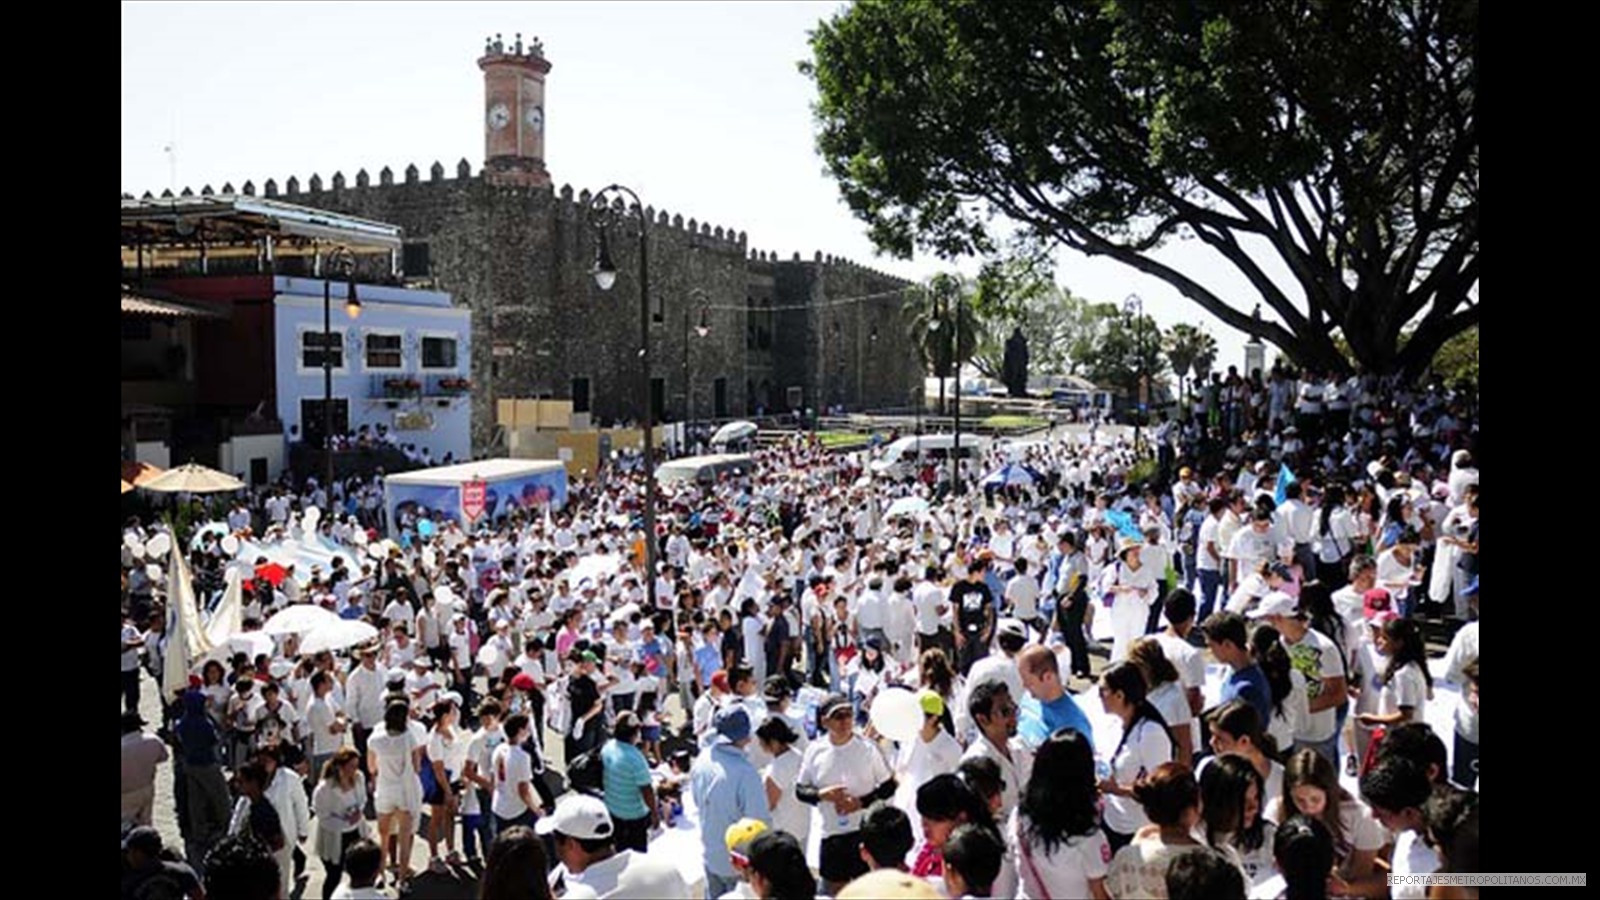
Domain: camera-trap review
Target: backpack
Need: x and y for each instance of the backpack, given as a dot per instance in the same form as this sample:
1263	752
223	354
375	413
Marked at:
586	773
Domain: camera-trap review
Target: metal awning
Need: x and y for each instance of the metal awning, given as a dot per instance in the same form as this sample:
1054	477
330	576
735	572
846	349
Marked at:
218	219
139	304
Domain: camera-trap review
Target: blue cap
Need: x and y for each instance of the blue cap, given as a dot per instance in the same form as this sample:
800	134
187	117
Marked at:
733	724
1471	590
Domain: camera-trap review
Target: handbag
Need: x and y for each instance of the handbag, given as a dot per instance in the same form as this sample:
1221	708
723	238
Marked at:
1110	597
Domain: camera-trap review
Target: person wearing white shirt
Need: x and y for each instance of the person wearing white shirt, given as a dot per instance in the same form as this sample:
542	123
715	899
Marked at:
1208	556
399	612
1297	521
1145	744
324	720
871	613
1022	595
932	613
1131	588
1396	790
994	712
1461	668
1251	546
931	752
286	790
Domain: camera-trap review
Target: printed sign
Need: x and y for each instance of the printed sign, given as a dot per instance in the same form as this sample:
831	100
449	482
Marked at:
474	496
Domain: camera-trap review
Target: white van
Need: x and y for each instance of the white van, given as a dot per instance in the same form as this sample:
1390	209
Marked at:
900	458
705	469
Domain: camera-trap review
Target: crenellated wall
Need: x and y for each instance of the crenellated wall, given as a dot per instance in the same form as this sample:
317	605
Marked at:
520	258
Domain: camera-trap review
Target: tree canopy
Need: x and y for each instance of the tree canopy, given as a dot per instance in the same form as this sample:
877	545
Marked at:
1338	136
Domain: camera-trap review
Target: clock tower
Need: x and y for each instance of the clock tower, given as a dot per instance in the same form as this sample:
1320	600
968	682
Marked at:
513	112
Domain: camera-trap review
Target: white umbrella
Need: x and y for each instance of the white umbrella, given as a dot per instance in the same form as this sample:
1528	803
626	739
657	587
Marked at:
906	506
338	635
1008	475
194	479
299	619
734	431
250	643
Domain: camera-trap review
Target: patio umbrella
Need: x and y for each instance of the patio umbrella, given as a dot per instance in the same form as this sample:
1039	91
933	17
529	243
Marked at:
906	506
126	487
337	635
734	431
137	473
299	619
1008	475
273	573
194	479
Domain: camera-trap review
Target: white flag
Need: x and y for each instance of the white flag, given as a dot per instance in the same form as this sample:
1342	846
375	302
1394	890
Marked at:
188	641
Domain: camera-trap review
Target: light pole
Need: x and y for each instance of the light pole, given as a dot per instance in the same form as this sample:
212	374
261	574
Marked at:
605	276
346	262
955	364
702	329
1134	308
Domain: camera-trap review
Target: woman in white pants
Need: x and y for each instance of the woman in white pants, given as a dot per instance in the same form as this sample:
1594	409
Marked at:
1128	587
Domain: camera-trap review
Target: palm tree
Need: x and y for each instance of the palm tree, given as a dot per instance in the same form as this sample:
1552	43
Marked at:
1189	348
931	323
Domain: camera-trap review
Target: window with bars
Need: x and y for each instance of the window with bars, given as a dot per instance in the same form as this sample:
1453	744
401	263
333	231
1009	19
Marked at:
383	352
438	353
312	349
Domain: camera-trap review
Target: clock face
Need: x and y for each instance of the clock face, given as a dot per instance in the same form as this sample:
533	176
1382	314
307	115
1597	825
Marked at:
499	116
534	116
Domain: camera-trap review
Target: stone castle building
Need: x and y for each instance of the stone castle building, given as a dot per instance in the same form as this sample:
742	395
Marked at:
780	334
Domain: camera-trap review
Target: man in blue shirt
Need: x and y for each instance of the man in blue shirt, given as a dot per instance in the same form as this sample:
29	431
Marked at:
629	794
1048	707
726	788
1225	637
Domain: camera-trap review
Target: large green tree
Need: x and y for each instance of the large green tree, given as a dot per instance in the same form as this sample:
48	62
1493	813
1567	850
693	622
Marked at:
1337	136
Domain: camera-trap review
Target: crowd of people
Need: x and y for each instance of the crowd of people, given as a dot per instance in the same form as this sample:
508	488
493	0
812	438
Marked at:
529	715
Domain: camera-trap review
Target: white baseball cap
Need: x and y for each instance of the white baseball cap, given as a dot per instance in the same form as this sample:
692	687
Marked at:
1276	603
578	816
647	877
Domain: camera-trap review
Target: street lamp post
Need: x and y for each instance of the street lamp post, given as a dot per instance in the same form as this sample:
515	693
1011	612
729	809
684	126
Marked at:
955	363
605	276
702	329
342	258
1134	308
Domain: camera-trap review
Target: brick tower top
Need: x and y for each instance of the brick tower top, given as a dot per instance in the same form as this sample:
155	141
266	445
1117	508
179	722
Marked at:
513	125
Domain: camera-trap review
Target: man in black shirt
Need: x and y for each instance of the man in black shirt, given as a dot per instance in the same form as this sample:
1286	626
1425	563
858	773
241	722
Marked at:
975	616
583	695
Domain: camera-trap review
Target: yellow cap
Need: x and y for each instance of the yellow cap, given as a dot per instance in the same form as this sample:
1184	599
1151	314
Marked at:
739	835
932	703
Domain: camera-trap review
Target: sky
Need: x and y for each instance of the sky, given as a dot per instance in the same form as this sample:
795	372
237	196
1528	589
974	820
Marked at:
698	106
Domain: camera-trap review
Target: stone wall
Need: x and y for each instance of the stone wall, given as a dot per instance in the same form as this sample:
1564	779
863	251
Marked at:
520	258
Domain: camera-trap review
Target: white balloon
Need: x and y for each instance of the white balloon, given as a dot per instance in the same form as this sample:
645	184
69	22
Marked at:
444	594
136	547
312	516
230	545
359	537
897	714
158	545
154	571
